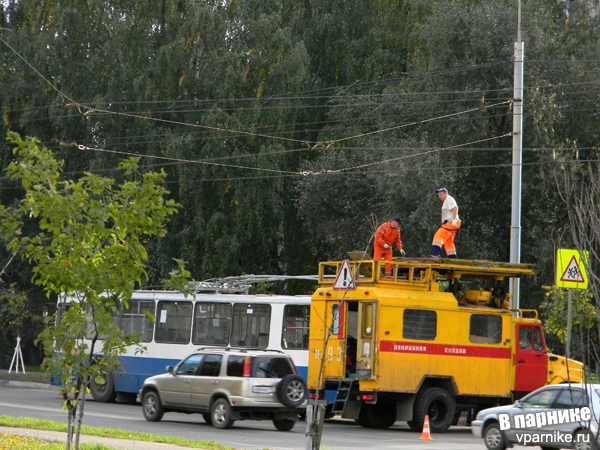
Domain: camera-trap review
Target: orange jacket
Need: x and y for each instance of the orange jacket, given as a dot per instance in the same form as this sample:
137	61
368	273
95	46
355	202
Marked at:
385	234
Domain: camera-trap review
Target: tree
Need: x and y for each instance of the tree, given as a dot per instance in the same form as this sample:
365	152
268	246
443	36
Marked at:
580	190
89	244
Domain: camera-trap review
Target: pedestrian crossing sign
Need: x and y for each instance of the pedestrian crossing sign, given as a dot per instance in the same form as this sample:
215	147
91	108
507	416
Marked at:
345	278
570	269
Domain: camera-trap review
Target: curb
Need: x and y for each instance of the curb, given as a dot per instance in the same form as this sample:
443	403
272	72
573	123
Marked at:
27	385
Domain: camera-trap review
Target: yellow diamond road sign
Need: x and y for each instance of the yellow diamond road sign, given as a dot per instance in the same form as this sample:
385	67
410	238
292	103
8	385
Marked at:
570	269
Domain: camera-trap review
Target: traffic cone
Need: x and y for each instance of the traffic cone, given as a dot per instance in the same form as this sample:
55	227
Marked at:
426	436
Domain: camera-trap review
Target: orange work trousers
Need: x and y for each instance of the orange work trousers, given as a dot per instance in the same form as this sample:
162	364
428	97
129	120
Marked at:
445	237
386	254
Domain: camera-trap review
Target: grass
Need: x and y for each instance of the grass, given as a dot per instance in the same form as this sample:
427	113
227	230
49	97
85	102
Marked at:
38	424
18	442
33	374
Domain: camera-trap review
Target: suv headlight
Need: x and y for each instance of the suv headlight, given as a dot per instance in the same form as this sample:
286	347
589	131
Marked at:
263	389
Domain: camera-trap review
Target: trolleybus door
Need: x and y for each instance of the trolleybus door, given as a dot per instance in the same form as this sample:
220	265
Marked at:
365	355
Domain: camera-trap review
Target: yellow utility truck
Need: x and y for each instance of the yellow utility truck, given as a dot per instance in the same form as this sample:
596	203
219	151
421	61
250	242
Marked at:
435	337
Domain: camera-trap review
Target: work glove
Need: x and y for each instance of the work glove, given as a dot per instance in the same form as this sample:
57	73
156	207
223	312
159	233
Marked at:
402	253
386	246
454	222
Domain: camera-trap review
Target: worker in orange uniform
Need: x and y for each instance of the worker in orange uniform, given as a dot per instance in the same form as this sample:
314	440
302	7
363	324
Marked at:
450	224
386	235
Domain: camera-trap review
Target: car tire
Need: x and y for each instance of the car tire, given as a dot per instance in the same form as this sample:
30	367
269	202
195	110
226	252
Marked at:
438	405
151	407
105	392
493	437
284	425
587	443
291	390
207	418
220	414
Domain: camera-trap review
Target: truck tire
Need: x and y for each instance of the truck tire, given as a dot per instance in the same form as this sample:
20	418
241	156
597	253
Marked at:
105	392
438	404
379	415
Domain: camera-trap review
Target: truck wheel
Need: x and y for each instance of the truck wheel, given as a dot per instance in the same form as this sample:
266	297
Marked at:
438	404
493	437
105	392
379	415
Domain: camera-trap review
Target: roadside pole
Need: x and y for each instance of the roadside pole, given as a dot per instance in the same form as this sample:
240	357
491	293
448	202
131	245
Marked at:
571	274
517	165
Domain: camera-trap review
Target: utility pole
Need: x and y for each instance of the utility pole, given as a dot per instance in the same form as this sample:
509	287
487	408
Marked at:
515	228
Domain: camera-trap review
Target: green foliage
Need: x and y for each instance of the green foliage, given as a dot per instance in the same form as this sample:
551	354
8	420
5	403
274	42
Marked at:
584	322
89	245
185	80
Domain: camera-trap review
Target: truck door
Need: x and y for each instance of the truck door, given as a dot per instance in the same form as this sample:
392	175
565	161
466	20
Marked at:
365	355
335	355
531	370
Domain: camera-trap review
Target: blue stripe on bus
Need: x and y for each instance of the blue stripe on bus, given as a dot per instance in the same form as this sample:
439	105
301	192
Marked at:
136	370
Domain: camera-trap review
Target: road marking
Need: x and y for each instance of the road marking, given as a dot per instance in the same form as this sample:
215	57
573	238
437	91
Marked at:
54	410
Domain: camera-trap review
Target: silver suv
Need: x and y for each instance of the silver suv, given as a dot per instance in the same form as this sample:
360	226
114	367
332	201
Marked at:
229	384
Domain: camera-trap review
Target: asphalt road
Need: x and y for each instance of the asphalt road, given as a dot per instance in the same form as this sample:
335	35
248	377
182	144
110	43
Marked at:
338	434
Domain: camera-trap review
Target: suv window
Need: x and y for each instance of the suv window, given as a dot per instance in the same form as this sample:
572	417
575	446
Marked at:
267	367
190	365
235	366
211	366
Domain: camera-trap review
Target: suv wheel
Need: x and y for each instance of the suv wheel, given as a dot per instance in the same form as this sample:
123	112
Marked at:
284	425
151	407
291	390
221	414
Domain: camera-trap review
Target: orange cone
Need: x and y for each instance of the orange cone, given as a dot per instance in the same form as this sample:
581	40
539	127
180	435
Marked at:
426	436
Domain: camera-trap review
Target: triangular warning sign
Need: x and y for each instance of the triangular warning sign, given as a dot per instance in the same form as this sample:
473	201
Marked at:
573	272
345	278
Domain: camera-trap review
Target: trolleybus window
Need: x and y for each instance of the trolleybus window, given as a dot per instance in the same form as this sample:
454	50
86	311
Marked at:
251	324
419	324
485	329
173	322
295	326
212	322
134	320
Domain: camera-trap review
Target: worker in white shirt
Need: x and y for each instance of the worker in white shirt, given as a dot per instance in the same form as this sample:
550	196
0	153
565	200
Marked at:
450	224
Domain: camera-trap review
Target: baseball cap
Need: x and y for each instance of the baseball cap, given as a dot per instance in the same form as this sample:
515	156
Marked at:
442	190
